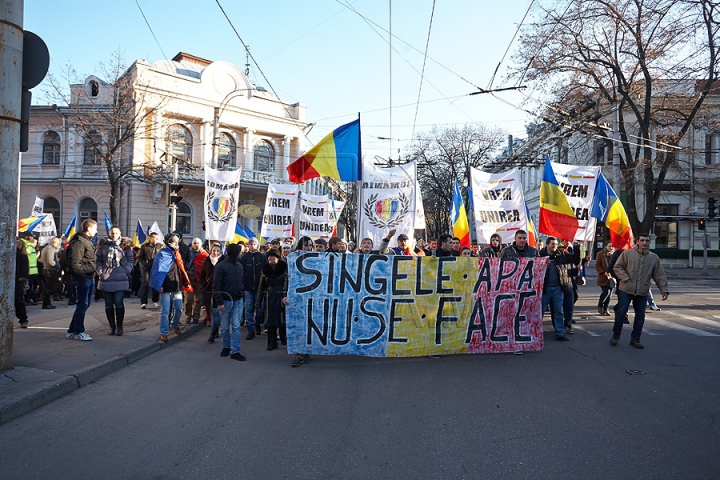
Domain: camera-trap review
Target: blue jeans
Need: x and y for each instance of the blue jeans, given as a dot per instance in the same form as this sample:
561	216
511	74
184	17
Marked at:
177	304
252	319
84	290
556	296
639	302
114	299
232	314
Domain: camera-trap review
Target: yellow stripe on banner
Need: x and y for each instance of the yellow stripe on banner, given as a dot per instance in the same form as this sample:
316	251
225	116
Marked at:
415	334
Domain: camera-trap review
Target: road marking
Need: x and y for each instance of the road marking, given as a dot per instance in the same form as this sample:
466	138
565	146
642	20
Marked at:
691	330
46	328
592	334
704	321
651	332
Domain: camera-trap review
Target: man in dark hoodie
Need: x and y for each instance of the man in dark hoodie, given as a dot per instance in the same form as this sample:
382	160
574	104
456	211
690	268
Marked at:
495	248
81	258
557	281
252	261
228	285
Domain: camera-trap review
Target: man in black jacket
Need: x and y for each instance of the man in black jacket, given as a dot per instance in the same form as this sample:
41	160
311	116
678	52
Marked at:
495	248
228	285
81	259
557	280
519	247
145	259
252	261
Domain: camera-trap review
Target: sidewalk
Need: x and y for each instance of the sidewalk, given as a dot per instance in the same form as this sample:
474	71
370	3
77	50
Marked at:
697	272
48	366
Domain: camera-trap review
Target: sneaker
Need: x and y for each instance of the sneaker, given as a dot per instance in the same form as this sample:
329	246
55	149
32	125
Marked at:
655	307
49	307
24	324
297	361
143	306
71	336
83	336
636	344
569	330
238	357
224	352
250	335
562	339
155	304
615	339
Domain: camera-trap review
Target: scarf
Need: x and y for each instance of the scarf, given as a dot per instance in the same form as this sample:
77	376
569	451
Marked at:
113	259
214	260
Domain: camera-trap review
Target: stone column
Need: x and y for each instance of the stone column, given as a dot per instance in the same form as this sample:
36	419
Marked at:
249	144
287	142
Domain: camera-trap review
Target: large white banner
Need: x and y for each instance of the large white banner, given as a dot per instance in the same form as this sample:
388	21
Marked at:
499	204
221	201
314	217
578	185
279	210
46	229
387	201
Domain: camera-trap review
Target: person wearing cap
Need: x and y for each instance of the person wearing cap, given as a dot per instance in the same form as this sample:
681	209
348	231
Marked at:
145	259
320	245
351	246
275	243
495	248
401	249
286	249
273	288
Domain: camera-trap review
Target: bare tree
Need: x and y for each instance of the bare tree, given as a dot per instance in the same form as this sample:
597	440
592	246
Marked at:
109	119
444	156
650	62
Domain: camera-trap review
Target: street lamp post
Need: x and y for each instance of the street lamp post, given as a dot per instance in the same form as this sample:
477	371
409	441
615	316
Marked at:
219	110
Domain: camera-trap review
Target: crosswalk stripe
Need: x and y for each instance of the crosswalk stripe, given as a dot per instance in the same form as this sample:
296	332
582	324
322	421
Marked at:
592	334
677	326
651	332
704	321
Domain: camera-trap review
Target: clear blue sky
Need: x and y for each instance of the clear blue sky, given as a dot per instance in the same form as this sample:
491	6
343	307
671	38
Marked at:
317	52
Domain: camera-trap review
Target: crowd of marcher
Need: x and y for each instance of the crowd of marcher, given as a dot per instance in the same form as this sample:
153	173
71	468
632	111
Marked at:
246	283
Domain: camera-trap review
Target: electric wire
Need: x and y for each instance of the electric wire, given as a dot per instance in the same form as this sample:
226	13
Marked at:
151	30
517	30
422	74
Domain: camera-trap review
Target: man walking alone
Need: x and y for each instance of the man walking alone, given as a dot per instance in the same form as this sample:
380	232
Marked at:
81	258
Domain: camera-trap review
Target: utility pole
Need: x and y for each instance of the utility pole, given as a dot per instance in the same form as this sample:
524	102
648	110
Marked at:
11	59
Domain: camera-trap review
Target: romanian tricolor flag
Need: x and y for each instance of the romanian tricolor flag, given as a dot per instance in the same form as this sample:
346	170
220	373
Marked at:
557	218
532	234
458	218
28	224
71	229
140	236
336	156
608	209
240	235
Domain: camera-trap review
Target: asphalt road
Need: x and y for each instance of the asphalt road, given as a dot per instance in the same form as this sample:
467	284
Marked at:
569	411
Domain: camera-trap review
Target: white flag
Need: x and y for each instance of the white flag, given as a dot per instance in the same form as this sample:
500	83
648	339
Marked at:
222	188
419	209
279	210
314	217
499	204
38	206
578	185
387	201
155	228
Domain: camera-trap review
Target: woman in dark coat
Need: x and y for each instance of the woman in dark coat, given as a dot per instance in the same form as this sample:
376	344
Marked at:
604	279
114	266
22	268
273	287
206	281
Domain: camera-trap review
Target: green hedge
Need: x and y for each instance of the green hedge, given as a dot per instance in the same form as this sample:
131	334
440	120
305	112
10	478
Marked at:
677	253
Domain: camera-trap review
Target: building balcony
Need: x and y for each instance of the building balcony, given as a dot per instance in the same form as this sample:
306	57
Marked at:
256	177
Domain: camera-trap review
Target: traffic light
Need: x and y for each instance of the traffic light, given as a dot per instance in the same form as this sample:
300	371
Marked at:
701	224
174	194
711	208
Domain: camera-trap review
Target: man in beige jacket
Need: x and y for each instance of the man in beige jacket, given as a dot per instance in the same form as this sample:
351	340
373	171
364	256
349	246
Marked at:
634	268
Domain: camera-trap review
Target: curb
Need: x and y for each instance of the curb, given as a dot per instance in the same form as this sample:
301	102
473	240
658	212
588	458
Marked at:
88	375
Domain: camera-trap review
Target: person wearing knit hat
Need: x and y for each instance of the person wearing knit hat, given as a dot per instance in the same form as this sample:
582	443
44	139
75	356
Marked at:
273	288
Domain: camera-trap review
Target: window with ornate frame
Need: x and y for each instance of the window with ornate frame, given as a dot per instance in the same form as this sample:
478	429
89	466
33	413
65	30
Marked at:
226	150
264	156
91	153
51	148
179	143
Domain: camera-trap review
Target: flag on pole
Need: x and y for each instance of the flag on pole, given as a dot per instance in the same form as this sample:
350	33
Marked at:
140	236
240	234
71	229
249	234
458	217
337	156
532	234
155	228
608	209
28	224
108	224
557	218
38	206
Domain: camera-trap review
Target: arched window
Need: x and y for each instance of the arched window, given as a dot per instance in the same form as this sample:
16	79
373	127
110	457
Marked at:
51	148
87	209
264	154
92	154
226	151
179	144
94	88
183	219
52	205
